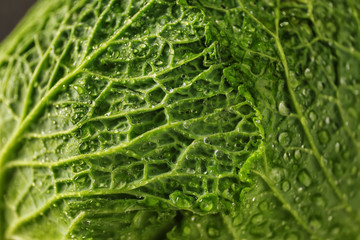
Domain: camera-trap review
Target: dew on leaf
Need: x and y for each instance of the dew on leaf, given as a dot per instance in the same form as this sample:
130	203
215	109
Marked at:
319	201
186	230
308	74
337	147
304	178
297	154
320	85
187	125
207	140
312	116
79	89
218	154
264	206
83	147
208	203
327	120
283	109
284	139
276	175
193	55
116	54
284	24
257	219
285	186
213	232
315	223
180	199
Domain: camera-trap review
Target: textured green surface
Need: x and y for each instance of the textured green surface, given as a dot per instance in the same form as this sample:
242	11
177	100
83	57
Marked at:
181	120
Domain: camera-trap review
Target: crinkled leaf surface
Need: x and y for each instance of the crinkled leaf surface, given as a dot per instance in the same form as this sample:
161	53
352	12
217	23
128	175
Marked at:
181	120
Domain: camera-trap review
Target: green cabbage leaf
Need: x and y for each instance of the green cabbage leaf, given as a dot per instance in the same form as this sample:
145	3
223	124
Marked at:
187	119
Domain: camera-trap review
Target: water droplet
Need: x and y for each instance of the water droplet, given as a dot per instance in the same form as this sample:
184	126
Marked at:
312	116
304	178
337	147
186	230
320	86
276	175
264	206
315	223
327	120
286	156
116	54
285	186
187	125
208	203
219	154
180	199
283	109
297	154
308	73
207	140
79	89
83	146
323	137
284	24
319	201
213	232
284	139
257	219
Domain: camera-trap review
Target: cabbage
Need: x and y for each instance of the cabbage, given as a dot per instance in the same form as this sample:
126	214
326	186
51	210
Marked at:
163	119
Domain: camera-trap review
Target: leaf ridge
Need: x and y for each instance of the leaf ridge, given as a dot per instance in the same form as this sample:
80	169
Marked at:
319	158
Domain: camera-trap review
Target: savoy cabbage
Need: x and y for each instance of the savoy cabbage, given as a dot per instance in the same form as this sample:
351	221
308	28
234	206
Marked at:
188	119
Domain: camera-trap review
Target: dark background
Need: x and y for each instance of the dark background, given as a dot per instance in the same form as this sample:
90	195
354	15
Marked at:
11	11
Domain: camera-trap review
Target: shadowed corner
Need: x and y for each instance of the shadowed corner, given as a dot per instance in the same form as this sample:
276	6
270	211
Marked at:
10	14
